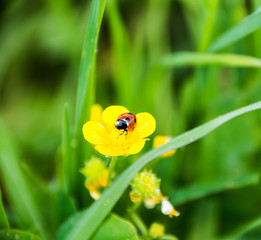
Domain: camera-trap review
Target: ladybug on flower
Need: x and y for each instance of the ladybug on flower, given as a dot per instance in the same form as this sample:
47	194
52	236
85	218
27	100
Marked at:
126	122
119	132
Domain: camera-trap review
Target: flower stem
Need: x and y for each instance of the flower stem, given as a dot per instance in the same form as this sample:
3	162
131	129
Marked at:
111	168
139	223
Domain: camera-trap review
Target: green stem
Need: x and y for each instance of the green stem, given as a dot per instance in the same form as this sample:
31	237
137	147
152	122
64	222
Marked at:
111	168
139	223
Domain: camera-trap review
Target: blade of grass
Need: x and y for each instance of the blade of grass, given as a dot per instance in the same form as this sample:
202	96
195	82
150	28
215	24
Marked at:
121	53
248	25
212	8
17	187
243	230
86	86
182	59
16	234
67	164
3	219
202	190
93	216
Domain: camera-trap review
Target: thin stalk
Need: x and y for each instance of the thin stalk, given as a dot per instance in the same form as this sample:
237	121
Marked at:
111	168
139	223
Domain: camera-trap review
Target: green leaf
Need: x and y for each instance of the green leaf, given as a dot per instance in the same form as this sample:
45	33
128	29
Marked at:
115	227
3	219
182	59
201	190
15	234
93	216
17	187
86	85
248	25
168	237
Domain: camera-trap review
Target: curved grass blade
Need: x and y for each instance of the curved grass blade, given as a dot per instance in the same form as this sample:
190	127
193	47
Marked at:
243	230
241	30
202	190
182	59
93	216
16	234
3	219
17	187
85	90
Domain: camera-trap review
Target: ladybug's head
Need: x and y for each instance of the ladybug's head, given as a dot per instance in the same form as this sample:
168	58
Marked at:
121	124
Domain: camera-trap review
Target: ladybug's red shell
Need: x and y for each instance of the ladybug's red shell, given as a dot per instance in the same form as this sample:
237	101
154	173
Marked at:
126	122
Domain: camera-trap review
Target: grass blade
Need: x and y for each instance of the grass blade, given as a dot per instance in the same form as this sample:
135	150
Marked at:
16	234
202	190
182	59
17	187
248	25
67	164
3	219
85	91
93	216
121	46
243	230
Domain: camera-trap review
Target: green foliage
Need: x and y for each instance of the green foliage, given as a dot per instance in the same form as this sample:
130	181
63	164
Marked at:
156	56
3	220
241	30
115	227
15	234
93	216
19	191
201	190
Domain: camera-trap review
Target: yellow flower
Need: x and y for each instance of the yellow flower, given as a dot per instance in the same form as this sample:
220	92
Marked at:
110	141
96	176
156	230
160	140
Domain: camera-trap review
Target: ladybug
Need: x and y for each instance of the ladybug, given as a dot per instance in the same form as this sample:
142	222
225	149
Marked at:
126	122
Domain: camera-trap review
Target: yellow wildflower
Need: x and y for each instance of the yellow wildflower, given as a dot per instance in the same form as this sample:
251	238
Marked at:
146	188
160	140
110	141
96	176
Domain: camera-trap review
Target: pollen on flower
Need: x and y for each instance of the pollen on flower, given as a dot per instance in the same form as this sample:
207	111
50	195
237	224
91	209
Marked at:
159	141
96	176
156	230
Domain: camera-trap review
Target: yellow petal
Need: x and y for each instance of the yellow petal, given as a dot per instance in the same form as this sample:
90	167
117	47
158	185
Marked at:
135	147
160	140
96	113
107	150
146	124
111	114
94	132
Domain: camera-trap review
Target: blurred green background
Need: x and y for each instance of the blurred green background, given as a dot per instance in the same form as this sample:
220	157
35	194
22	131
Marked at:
40	50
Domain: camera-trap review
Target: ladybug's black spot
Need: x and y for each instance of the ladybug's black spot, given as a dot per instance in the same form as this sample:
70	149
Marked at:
127	119
134	119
